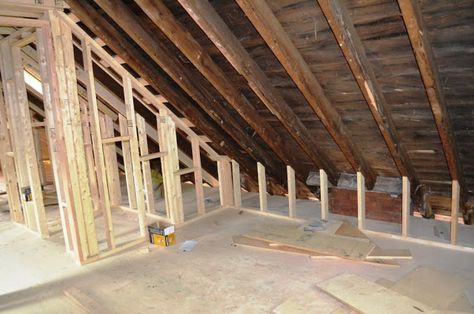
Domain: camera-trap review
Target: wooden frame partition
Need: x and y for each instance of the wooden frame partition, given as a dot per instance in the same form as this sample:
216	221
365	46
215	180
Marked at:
82	137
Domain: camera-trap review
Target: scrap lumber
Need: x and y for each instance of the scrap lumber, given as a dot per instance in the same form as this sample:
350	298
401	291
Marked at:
251	242
368	297
348	230
440	289
318	242
379	253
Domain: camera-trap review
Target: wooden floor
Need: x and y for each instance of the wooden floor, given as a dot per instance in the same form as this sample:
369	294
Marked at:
38	277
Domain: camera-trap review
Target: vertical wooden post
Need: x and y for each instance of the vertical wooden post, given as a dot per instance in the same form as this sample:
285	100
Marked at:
148	183
89	149
39	155
236	184
98	146
127	162
169	165
55	132
405	206
21	131
198	176
81	215
291	191
133	133
225	181
360	201
111	163
262	187
323	186
8	166
455	194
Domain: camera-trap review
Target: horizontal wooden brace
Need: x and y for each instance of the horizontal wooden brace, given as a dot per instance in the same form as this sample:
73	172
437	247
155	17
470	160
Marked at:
21	22
10	154
153	156
115	139
185	171
38	124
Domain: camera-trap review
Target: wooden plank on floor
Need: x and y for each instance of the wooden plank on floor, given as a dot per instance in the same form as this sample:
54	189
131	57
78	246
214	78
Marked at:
379	253
370	298
317	242
432	286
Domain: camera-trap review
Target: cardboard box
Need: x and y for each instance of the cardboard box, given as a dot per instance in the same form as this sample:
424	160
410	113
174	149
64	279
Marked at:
162	234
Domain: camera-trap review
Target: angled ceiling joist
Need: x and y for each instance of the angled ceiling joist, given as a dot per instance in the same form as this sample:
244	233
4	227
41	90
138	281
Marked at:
429	73
266	23
354	52
189	82
181	38
217	30
127	51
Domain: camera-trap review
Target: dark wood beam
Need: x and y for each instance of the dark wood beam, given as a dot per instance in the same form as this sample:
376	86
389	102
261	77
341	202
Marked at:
266	23
166	59
185	42
429	73
217	30
163	84
354	52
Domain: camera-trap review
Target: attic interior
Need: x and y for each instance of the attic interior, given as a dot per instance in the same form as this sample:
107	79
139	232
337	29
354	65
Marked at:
259	156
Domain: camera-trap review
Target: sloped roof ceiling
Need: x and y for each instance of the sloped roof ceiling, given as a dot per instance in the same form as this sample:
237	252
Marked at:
381	28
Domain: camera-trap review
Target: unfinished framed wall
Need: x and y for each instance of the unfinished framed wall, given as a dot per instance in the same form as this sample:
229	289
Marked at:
88	129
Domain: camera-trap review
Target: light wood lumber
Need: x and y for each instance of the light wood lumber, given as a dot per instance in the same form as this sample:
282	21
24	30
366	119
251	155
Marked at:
146	168
196	153
370	298
291	191
360	201
455	199
127	162
405	206
236	184
262	187
324	201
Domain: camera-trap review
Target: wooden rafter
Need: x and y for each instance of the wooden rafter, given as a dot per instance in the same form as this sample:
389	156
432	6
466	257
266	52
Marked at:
176	32
220	34
429	73
279	42
147	70
184	77
354	52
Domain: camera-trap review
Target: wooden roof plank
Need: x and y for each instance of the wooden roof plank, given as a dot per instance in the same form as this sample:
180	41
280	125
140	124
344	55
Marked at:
219	33
266	23
117	42
355	54
181	38
423	51
166	59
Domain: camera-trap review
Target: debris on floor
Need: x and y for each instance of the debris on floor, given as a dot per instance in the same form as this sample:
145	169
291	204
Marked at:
334	239
188	245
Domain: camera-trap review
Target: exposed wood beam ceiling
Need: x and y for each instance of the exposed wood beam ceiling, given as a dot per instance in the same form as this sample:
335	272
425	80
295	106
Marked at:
181	38
429	73
354	52
217	30
146	69
277	39
190	83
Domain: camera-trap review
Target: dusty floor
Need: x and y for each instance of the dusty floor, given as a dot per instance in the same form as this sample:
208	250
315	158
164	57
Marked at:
215	277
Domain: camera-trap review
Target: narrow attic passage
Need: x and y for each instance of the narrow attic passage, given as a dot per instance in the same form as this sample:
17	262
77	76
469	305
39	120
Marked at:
300	156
